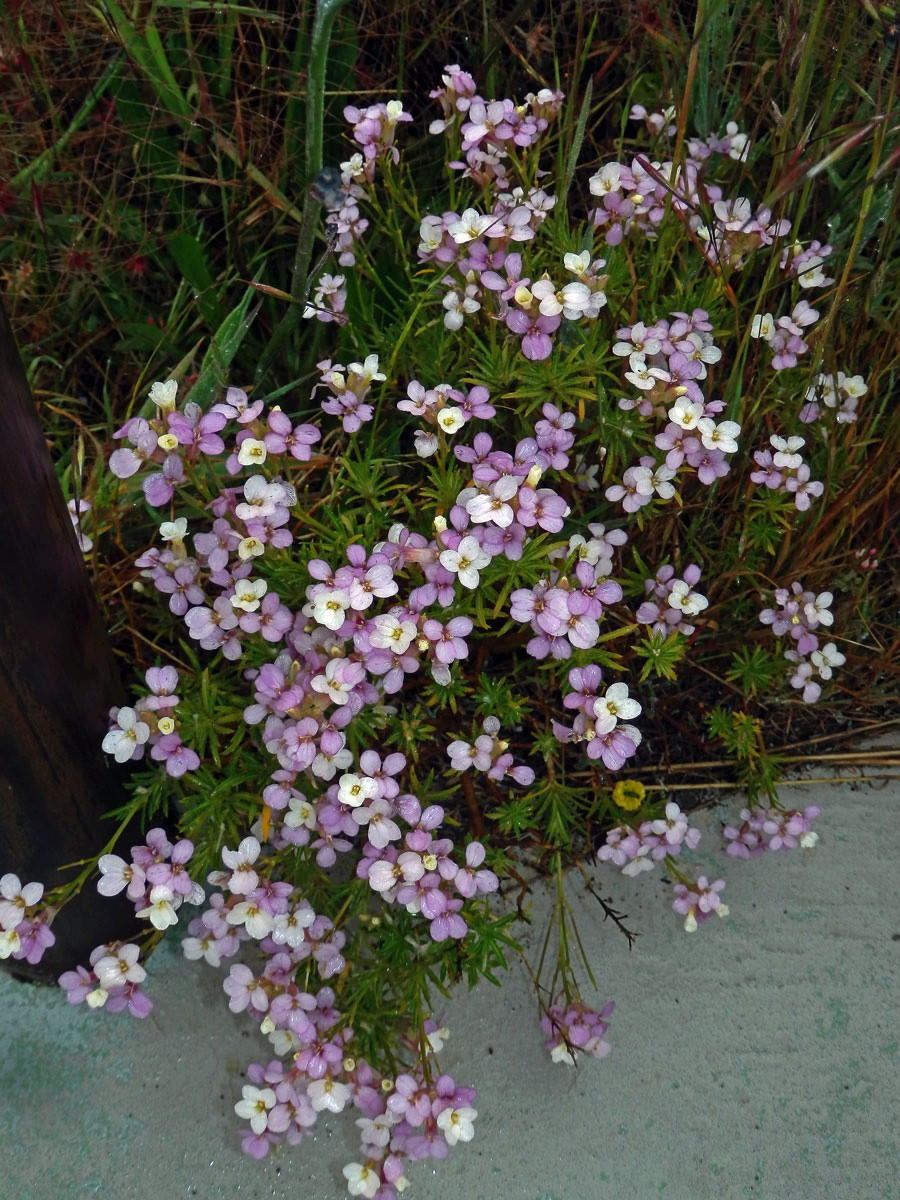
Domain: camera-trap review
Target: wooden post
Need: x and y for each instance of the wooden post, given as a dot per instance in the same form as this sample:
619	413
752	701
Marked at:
58	679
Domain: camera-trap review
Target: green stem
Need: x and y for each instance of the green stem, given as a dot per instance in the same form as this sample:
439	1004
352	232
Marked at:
326	11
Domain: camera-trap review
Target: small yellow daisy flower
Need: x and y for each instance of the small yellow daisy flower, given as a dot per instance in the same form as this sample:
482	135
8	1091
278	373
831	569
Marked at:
629	794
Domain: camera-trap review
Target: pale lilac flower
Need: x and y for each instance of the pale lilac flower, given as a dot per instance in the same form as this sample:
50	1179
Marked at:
16	899
122	967
116	875
126	739
243	878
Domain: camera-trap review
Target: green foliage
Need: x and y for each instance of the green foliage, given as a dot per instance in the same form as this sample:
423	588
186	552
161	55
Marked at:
661	654
754	669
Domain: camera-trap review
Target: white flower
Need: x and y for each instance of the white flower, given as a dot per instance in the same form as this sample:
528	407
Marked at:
719	436
817	611
431	233
252	453
763	326
648	481
10	942
684	600
354	790
451	418
355	166
289	927
606	180
300	812
577	263
466	561
456	1124
640	863
361	1181
255	1105
173	531
426	443
616	705
393	111
808	840
690	922
250	547
193	948
810	273
686	413
164	394
853	385
560	1053
256	920
160	912
740	143
829	656
786	451
493	505
326	1093
571	300
117	969
471	225
248	593
16	899
367	370
122	741
642	376
329	608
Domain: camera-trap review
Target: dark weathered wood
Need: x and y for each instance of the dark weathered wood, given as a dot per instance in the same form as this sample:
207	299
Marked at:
58	679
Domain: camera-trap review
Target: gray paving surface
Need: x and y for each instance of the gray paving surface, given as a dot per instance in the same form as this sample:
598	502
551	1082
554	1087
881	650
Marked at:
757	1057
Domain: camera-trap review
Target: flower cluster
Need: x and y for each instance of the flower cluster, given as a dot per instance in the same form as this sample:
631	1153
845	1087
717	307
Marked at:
673	600
602	720
152	721
112	982
785	471
349	390
490	274
374	131
784	336
24	925
638	850
423	877
488	128
444	409
156	879
800	614
489	754
638	196
403	1119
733	143
697	901
839	393
573	1027
771	829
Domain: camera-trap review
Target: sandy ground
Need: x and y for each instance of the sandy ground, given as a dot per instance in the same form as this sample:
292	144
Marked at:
757	1057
